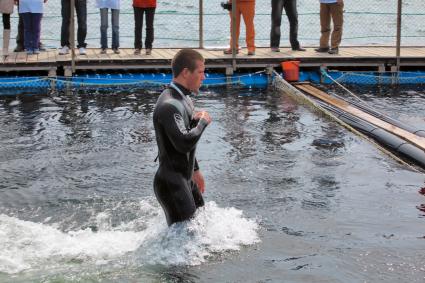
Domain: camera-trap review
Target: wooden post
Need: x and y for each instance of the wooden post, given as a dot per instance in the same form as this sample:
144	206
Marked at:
234	43
72	36
399	7
201	24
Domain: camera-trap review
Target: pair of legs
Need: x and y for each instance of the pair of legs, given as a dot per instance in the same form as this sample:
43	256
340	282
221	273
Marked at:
149	13
290	7
178	196
247	11
115	21
20	38
81	9
32	29
335	12
6	33
6	21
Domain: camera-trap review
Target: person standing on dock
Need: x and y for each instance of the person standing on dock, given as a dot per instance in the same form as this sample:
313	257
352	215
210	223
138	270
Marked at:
290	7
178	182
146	7
32	13
331	9
246	9
6	8
114	5
81	9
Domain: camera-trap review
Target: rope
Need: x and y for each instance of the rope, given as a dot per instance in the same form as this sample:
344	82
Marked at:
343	87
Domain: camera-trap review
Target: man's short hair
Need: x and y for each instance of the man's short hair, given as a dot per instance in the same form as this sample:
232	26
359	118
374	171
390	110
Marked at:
185	58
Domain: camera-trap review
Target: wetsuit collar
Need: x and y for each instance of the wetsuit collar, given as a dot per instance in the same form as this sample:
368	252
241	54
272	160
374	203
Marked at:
180	89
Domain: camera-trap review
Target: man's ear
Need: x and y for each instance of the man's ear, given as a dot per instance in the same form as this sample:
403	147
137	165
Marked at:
185	72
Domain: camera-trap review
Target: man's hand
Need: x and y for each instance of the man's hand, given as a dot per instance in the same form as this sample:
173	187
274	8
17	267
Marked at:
203	115
198	179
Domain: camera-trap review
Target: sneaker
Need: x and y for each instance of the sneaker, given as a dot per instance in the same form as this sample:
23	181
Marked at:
137	51
116	50
64	50
103	51
36	51
251	53
148	51
322	49
299	48
275	49
41	46
333	50
82	51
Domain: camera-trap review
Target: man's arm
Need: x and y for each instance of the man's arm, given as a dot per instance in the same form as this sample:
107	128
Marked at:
199	180
182	139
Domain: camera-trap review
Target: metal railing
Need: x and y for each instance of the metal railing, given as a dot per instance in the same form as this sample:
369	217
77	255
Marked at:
191	23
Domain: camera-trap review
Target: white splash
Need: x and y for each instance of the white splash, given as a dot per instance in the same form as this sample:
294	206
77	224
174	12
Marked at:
26	245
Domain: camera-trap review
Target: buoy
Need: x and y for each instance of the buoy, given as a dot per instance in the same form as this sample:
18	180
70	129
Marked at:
291	70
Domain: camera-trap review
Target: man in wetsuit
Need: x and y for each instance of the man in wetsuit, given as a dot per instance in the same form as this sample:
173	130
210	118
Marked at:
178	183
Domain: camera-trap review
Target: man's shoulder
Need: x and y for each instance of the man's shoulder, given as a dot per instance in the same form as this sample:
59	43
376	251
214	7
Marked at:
167	102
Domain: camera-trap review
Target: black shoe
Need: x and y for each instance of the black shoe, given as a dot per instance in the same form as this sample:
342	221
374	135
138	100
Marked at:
322	49
299	48
19	48
333	50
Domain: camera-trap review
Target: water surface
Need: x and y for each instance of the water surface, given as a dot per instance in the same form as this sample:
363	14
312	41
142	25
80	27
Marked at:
76	198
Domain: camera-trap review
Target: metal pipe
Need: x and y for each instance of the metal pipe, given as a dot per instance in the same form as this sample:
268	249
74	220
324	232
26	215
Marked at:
234	43
201	24
72	36
398	47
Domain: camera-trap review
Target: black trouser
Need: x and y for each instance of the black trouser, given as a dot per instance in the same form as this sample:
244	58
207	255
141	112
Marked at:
292	14
6	21
138	26
178	196
81	9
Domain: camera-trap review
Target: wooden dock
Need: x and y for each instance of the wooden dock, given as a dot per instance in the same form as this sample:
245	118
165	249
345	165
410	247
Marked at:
380	57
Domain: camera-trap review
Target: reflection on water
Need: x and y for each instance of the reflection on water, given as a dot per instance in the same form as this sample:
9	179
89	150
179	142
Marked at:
289	194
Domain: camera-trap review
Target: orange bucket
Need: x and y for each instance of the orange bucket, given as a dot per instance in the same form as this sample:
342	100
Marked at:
291	70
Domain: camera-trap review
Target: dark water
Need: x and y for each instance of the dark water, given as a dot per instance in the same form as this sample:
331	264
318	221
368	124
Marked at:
76	199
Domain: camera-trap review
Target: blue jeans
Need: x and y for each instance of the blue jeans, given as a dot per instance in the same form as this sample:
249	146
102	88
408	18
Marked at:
32	28
115	20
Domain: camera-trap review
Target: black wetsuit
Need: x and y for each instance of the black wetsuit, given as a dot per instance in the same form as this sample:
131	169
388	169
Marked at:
177	134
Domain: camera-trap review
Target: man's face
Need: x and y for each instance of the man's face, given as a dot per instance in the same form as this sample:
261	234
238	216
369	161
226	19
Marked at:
194	79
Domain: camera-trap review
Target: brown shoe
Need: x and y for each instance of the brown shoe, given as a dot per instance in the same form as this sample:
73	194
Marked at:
116	51
103	51
251	53
229	51
148	51
137	51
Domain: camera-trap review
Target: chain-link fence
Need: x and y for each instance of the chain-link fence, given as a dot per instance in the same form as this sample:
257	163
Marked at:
177	23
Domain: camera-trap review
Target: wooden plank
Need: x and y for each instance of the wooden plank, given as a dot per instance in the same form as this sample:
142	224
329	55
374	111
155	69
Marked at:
43	57
159	54
21	57
416	140
11	58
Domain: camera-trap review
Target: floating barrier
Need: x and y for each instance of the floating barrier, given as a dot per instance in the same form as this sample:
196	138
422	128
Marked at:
258	79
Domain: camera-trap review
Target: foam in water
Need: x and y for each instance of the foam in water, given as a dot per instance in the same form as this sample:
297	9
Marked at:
26	245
